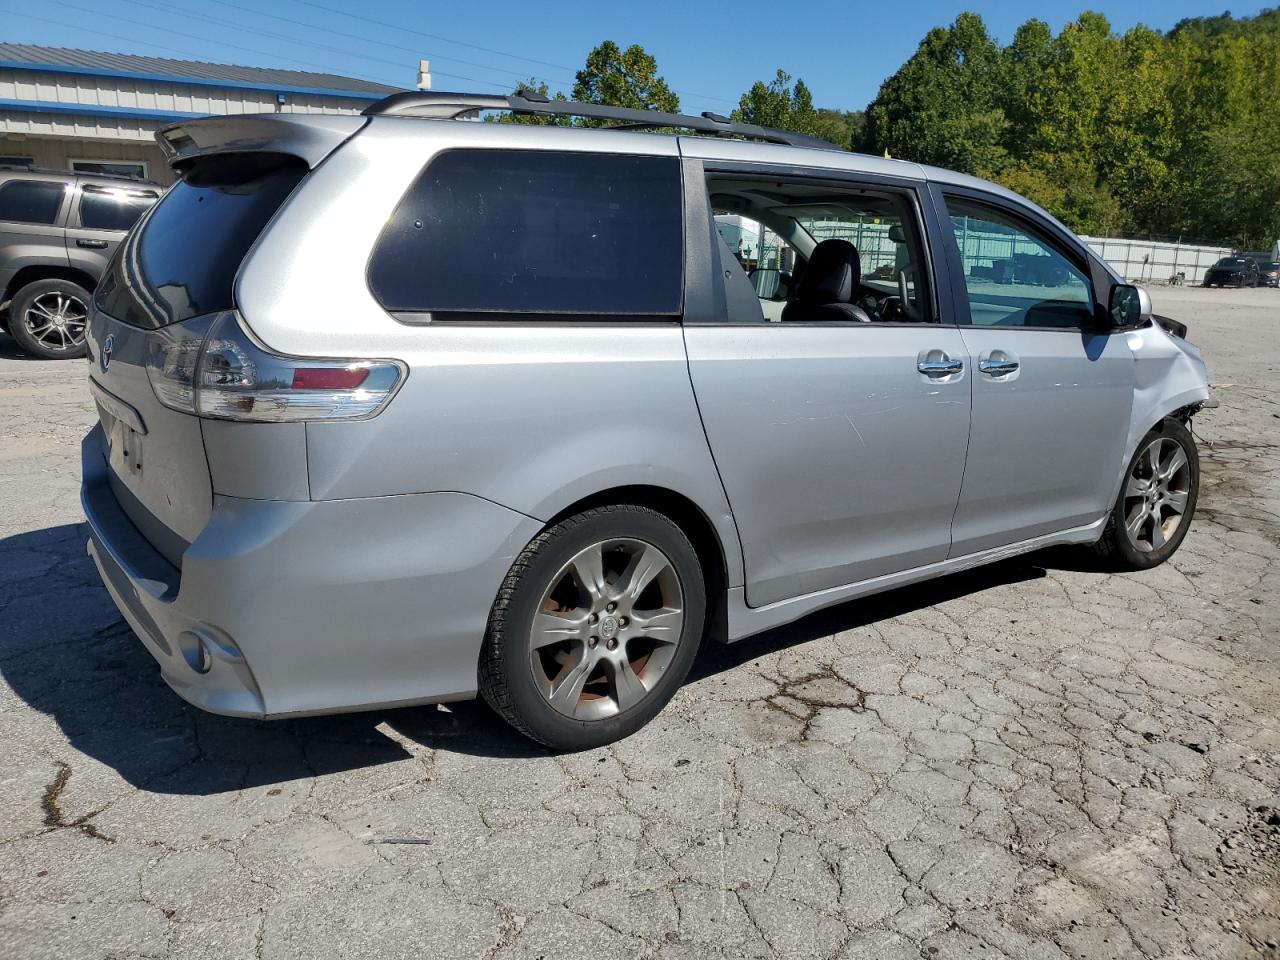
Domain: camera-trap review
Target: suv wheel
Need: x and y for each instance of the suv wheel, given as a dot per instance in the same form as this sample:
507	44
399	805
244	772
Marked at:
594	628
1151	516
48	319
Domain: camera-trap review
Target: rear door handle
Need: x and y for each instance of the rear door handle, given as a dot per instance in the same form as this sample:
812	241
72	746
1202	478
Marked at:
940	368
998	368
92	244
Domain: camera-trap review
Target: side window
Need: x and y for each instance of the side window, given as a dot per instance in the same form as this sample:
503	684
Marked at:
821	253
535	233
1012	276
30	201
112	209
114	168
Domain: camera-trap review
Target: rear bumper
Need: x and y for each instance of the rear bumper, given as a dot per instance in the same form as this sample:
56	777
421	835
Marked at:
288	608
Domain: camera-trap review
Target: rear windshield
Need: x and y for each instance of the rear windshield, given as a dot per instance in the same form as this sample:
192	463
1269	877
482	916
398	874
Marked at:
183	261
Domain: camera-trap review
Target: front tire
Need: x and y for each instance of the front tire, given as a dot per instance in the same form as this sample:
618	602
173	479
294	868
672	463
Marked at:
48	319
594	628
1157	500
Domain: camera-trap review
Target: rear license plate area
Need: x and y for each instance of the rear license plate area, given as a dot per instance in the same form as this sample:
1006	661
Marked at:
124	446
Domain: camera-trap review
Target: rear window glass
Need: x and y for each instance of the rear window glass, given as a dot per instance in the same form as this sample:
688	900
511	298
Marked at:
525	232
30	201
108	209
183	261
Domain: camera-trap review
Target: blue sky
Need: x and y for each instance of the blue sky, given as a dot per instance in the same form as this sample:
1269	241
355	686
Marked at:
709	53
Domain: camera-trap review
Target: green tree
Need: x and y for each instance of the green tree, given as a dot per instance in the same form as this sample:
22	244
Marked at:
1169	134
779	104
945	105
624	78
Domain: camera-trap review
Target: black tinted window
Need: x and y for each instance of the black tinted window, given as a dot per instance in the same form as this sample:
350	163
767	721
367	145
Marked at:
30	201
183	261
535	232
112	209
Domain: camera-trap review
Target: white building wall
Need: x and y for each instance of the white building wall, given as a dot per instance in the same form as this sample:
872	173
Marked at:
70	88
53	140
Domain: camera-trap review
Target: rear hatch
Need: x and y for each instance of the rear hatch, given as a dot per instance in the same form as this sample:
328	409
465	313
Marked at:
165	283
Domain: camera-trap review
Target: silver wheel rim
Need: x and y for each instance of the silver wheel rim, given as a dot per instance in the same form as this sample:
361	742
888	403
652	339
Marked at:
1156	494
606	629
56	320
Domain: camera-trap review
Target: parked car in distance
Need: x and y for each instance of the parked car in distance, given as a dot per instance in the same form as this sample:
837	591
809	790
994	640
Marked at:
1269	273
57	232
398	409
1238	271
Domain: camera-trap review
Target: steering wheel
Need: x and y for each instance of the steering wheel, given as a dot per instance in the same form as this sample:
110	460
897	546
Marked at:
871	306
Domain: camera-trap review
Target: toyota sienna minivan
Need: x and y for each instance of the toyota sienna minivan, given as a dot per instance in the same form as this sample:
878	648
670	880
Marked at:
397	409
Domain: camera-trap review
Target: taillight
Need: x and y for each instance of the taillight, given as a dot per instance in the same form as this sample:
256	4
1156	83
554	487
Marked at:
215	369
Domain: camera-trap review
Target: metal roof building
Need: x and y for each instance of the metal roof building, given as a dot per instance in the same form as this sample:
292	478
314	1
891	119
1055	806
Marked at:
66	109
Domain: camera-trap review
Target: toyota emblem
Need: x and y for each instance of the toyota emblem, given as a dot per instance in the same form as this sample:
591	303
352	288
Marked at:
104	358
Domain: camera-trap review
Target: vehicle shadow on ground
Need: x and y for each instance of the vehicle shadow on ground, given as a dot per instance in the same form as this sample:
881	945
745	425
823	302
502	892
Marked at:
65	652
9	349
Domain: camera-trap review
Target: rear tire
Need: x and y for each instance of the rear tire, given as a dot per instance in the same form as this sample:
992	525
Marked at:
1157	500
594	628
48	318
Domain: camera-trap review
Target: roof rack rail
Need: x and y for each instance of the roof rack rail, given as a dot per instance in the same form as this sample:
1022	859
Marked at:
450	106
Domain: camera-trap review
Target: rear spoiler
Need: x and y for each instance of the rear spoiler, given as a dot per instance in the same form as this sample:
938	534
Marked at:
309	136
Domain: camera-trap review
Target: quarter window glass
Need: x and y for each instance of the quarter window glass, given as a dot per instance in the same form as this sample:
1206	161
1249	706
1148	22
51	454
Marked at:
1012	277
525	232
30	201
112	209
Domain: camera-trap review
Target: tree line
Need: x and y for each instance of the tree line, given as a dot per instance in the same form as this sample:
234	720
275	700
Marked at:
1173	134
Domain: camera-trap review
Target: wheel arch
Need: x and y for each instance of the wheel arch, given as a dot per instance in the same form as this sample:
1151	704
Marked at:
36	272
696	525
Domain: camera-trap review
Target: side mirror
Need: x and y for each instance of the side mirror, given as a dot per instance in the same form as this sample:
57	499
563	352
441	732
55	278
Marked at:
897	234
768	283
1130	305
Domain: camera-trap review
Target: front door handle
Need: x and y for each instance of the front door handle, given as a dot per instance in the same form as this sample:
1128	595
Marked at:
940	368
92	244
998	368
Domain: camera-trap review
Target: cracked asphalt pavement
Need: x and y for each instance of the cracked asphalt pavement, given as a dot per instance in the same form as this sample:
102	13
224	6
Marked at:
1033	760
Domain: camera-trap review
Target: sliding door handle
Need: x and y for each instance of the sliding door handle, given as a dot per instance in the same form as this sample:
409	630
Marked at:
998	368
940	368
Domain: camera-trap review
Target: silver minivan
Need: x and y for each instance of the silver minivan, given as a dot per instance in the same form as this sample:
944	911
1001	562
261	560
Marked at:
401	408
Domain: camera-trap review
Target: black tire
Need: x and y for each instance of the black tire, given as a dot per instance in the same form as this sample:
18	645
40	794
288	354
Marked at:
1116	548
20	327
507	679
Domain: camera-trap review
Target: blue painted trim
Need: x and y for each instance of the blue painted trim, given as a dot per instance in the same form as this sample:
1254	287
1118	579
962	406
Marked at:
94	110
192	81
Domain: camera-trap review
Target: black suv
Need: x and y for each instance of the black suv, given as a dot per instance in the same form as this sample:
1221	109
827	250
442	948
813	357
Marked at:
57	232
1235	271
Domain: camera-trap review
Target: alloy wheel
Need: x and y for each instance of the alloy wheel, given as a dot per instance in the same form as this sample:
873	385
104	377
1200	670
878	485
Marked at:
57	320
1156	494
606	629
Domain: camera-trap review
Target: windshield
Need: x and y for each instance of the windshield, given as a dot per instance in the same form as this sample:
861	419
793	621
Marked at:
1232	262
